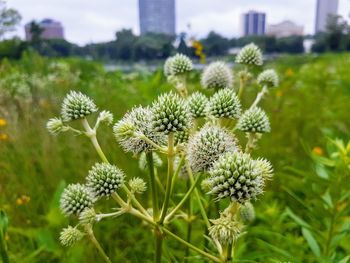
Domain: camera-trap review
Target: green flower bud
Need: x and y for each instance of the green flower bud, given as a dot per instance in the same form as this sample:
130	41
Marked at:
137	185
55	126
236	176
247	213
181	137
157	161
88	216
135	123
170	114
268	78
168	66
106	116
104	179
179	64
197	103
76	105
224	104
250	55
217	75
75	198
207	145
70	235
254	120
225	230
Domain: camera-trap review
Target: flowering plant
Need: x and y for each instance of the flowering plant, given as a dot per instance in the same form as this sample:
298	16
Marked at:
197	135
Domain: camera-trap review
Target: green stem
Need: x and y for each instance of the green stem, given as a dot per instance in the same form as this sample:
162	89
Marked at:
178	169
169	177
3	250
149	158
183	200
189	221
259	97
158	243
201	207
149	141
94	241
134	200
241	87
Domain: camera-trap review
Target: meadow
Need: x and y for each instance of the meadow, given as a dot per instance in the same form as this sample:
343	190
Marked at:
300	218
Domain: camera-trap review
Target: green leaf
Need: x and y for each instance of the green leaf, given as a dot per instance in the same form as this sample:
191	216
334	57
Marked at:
321	171
297	219
4	221
311	242
327	199
345	260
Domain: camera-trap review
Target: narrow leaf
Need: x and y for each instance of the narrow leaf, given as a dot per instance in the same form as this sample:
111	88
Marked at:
311	242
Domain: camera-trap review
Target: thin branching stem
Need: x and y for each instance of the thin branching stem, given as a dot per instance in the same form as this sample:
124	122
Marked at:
259	97
90	234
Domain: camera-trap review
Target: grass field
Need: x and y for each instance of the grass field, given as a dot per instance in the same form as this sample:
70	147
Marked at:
311	105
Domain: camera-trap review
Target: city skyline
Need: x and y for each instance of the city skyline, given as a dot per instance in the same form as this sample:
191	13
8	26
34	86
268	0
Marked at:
86	22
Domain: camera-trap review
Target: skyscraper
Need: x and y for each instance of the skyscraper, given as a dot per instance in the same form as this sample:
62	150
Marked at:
253	23
324	8
157	16
51	29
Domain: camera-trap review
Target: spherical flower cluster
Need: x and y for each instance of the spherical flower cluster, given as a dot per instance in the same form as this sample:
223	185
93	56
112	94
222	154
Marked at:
225	230
157	161
268	78
76	106
129	130
137	185
247	212
70	235
55	126
254	120
75	198
88	216
236	176
170	113
104	179
207	145
224	104
167	66
181	137
198	103
250	55
178	65
106	116
266	168
217	75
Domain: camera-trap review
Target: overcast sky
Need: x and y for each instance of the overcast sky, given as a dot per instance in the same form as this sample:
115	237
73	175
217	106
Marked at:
87	21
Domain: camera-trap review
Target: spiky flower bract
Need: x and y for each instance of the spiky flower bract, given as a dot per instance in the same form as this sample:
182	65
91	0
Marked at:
106	116
224	104
254	120
137	185
217	75
135	123
247	212
250	55
207	145
170	113
75	198
70	235
55	126
198	103
266	168
268	78
236	176
157	161
181	137
88	216
168	66
225	230
77	105
179	64
104	179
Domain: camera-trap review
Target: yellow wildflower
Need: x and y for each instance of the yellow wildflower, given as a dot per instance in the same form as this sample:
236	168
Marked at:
4	137
3	122
22	200
317	151
289	72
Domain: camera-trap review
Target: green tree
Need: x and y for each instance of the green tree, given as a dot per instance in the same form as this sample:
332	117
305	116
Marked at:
215	44
125	44
9	19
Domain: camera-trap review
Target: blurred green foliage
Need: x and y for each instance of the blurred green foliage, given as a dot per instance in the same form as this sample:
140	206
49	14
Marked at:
312	102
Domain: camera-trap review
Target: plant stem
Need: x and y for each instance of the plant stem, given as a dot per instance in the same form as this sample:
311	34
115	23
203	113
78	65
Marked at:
134	200
149	158
189	220
259	97
183	200
94	241
178	169
149	141
169	177
158	243
201	207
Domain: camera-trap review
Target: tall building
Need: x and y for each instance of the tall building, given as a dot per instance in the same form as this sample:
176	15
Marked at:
253	23
324	8
285	29
157	16
51	29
